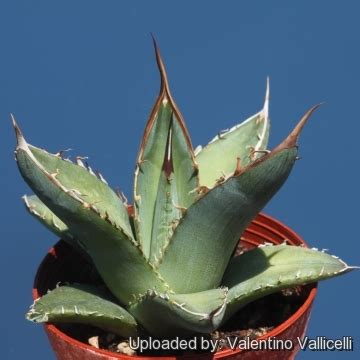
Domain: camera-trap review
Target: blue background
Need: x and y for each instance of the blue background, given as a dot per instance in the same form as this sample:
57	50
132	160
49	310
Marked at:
82	74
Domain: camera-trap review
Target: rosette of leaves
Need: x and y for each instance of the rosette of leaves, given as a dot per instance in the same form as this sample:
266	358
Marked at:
168	264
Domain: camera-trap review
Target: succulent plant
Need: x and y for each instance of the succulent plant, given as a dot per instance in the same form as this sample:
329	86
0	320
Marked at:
168	264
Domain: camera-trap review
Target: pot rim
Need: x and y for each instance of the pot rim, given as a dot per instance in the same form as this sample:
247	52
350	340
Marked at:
218	354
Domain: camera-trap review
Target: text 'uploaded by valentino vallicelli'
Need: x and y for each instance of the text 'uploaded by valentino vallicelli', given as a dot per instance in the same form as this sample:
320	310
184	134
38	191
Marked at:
319	343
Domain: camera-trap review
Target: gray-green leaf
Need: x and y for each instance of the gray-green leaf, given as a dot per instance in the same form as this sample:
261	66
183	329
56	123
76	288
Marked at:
244	141
167	315
269	269
117	256
166	173
42	213
204	240
82	304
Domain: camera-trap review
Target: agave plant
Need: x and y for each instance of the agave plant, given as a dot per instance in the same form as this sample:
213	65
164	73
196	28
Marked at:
168	264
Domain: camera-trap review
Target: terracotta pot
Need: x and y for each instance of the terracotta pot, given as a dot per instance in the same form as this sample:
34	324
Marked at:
63	264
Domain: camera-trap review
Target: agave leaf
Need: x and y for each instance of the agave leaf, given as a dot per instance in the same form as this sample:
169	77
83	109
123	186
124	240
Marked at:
205	238
114	252
243	141
269	269
87	187
165	315
41	212
166	215
82	304
165	155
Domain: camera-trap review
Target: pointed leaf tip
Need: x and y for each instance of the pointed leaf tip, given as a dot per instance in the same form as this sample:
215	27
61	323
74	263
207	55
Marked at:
293	137
164	80
21	142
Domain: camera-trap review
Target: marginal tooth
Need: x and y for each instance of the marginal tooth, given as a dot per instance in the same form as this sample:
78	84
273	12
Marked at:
77	192
55	174
220	180
197	150
90	170
174	224
125	200
179	207
201	190
54	223
238	167
60	153
118	193
79	161
99	175
138	167
121	196
86	205
32	208
251	153
213	140
142	161
93	207
103	180
26	201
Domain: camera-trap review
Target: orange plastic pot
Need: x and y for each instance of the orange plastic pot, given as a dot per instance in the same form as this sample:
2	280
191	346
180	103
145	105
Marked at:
63	264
